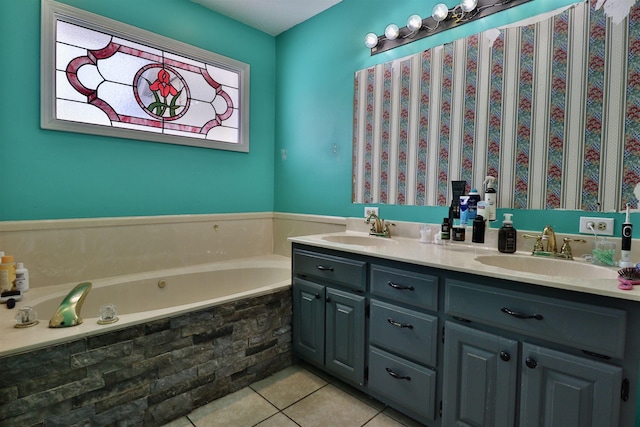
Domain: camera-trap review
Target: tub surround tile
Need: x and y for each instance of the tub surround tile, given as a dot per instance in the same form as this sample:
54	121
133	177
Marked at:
67	251
121	380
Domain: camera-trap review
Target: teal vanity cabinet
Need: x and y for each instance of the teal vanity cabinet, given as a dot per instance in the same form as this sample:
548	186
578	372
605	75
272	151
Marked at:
403	339
500	339
329	313
456	349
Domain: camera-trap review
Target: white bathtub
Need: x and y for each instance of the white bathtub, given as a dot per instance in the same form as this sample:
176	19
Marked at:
141	298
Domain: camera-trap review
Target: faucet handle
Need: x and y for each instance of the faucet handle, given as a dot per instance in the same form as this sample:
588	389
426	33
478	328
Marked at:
565	251
537	246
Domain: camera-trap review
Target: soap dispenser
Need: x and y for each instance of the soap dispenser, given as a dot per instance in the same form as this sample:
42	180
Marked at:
507	235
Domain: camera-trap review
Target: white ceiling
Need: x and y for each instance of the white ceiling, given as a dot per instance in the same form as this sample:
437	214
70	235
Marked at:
270	16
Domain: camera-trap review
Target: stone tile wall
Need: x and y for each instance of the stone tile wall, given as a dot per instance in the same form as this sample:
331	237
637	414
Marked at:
149	374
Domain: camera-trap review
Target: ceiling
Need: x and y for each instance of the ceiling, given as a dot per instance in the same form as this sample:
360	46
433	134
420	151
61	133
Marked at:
270	16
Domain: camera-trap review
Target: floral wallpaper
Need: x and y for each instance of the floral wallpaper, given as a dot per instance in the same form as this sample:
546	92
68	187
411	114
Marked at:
550	108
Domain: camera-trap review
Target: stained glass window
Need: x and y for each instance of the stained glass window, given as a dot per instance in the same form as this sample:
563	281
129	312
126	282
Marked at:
104	77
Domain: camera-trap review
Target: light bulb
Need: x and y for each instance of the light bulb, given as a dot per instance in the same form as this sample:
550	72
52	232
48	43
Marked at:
414	23
440	12
392	32
371	40
468	5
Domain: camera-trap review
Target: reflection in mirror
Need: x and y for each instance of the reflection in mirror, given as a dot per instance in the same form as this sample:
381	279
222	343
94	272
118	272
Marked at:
551	108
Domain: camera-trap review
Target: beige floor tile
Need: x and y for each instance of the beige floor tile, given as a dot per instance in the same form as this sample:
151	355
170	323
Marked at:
180	422
278	420
288	386
359	395
330	406
401	418
244	408
382	420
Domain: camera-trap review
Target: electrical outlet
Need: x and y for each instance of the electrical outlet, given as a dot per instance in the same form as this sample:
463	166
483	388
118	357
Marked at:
368	210
602	226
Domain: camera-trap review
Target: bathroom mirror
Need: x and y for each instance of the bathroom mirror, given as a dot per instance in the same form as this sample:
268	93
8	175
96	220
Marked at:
551	107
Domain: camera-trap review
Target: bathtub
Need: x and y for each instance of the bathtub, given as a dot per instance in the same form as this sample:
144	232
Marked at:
144	297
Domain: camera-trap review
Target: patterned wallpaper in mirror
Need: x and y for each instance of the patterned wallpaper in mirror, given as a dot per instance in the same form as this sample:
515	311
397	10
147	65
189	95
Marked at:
552	109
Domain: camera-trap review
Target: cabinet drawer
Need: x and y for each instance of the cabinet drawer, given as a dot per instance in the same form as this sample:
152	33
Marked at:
419	290
583	326
343	271
405	332
408	385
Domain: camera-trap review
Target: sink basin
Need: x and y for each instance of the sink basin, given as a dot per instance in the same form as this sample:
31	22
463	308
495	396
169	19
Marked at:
360	240
548	266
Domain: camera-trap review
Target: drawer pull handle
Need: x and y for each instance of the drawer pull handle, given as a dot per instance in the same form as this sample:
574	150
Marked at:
324	268
400	287
521	315
400	325
505	356
531	363
398	376
317	295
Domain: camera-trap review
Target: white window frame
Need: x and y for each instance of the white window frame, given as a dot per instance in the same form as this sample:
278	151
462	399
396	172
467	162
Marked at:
53	11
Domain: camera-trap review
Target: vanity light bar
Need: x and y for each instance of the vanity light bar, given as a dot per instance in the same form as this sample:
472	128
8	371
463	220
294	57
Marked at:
442	18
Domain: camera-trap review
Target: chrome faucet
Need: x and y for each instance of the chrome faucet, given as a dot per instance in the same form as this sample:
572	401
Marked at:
379	227
68	313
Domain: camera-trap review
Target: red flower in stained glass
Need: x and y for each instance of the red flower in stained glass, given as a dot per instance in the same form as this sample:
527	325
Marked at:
162	84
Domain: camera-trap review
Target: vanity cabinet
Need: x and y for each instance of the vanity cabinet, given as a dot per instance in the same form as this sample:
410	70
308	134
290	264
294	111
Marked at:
454	349
403	339
480	373
329	313
482	369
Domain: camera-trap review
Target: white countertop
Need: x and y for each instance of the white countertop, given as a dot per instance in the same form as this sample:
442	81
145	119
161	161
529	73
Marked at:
461	257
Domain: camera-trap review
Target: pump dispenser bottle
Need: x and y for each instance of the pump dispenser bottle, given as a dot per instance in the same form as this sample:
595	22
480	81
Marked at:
490	197
507	236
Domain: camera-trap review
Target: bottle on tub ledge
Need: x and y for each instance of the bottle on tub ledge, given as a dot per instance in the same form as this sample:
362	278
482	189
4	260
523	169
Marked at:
507	236
22	278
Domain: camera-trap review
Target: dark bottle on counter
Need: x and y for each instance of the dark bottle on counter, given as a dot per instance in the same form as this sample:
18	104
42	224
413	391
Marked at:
507	236
477	234
445	229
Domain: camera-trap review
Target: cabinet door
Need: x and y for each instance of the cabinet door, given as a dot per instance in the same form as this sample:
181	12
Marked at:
345	335
308	320
559	389
479	378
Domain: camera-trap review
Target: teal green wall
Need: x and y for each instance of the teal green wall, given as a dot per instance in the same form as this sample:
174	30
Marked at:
49	174
301	102
316	65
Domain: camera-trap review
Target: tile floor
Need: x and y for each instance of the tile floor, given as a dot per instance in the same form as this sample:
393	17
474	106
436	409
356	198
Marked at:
295	396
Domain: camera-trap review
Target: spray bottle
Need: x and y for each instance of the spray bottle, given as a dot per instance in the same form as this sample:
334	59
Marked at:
490	197
625	252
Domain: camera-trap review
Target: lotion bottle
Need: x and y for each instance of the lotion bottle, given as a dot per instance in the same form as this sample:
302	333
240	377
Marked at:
490	197
22	278
507	235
